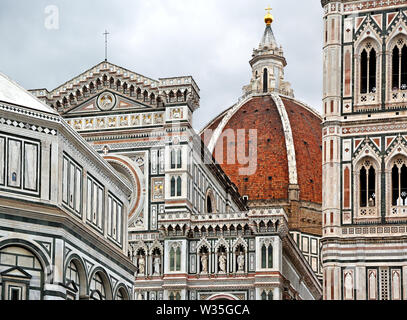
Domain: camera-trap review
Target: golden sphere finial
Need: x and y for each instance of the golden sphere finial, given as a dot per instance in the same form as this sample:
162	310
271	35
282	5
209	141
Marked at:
268	19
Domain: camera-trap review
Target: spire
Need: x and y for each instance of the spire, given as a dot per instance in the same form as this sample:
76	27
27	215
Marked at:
268	39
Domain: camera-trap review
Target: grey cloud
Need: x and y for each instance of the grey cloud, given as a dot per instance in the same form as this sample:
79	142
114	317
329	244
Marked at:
212	40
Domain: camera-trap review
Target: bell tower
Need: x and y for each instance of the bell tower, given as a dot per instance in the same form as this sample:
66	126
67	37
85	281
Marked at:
364	150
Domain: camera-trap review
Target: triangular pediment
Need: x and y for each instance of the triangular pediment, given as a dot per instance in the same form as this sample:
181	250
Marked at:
16	272
107	102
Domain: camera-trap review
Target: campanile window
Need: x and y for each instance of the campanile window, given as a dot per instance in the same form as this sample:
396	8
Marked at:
368	69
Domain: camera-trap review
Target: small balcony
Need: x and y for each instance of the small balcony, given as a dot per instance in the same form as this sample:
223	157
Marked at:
368	212
397	97
368	98
368	101
398	211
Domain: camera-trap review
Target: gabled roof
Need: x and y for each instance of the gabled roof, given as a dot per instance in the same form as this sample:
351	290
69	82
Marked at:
13	93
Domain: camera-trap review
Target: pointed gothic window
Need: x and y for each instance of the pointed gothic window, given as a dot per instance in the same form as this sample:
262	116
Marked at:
367	185
209	204
173	187
399	66
396	68
270	295
172	259
399	183
179	159
368	70
363	72
264	256
264	295
179	186
270	257
403	82
172	159
265	81
372	71
178	259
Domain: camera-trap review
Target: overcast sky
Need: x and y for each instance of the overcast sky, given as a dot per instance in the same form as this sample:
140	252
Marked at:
212	40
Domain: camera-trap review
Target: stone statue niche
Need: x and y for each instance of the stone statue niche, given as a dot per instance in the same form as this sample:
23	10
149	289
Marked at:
141	262
222	260
204	257
156	262
240	259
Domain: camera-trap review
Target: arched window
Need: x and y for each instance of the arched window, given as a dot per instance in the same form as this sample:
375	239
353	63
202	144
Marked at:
179	159
178	259
178	296
173	159
270	257
264	256
173	187
179	96
97	288
171	97
264	295
122	294
72	275
119	295
172	296
399	66
172	259
399	183
176	159
270	295
267	256
265	80
209	204
20	262
367	185
368	69
179	186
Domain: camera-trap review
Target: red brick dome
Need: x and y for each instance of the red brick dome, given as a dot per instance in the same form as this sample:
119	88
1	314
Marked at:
289	147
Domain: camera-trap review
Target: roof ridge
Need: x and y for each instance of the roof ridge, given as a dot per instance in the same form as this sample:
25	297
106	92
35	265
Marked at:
14	93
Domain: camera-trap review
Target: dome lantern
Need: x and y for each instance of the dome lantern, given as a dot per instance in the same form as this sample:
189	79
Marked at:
268	63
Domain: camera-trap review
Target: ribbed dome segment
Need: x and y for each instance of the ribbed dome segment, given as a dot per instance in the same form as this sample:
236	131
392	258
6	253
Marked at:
276	123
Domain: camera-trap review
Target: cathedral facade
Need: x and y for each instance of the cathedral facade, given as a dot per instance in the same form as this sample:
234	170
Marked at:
364	150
